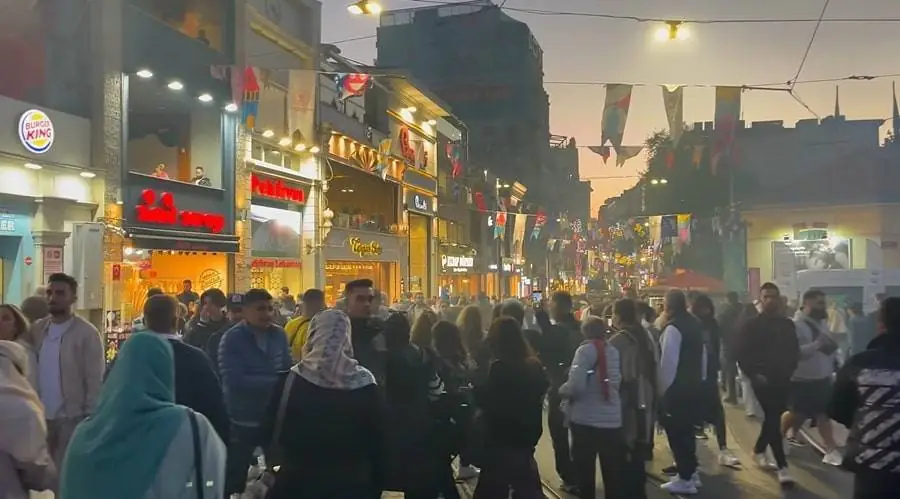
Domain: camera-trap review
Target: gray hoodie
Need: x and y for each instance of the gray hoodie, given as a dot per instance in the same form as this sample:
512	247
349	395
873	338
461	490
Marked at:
586	403
813	365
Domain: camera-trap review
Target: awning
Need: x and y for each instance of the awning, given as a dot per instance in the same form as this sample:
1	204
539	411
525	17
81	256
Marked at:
175	240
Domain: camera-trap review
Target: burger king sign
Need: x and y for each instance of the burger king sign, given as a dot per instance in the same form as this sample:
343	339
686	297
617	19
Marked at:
36	131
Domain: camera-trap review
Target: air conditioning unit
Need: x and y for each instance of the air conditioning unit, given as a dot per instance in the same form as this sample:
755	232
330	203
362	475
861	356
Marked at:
87	264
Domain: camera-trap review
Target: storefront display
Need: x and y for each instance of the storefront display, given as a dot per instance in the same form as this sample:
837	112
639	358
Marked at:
355	255
459	275
276	226
420	210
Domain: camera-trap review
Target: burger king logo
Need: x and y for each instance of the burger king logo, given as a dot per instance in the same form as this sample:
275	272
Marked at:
36	131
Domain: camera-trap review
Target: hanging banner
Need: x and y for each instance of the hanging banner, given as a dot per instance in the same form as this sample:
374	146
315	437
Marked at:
500	226
519	235
673	100
539	222
383	157
624	153
250	100
454	154
603	151
351	84
302	105
728	112
684	228
478	199
615	113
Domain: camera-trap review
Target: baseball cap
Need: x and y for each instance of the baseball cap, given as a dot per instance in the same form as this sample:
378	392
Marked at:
235	301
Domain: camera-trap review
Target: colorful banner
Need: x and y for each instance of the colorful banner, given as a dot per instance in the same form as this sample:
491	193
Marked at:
500	225
351	84
454	154
302	105
673	100
539	222
383	157
250	98
615	113
728	113
519	235
624	153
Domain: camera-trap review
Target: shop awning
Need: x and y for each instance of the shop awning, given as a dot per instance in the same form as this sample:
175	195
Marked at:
174	240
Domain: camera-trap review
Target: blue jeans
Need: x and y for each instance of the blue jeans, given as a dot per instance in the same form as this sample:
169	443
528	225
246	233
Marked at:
244	441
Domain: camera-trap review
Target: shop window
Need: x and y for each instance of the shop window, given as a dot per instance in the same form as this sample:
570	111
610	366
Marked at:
202	20
362	201
384	275
172	135
419	251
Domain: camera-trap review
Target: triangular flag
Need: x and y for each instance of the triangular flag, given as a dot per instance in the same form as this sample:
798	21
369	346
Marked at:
673	101
615	113
624	153
603	151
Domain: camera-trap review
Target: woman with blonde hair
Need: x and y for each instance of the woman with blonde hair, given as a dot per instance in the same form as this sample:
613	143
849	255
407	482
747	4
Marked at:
421	335
14	326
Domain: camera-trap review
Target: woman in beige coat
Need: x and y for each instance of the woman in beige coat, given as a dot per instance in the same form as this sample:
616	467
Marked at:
25	462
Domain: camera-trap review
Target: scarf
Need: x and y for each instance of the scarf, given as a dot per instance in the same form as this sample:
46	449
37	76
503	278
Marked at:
328	359
601	368
19	404
117	452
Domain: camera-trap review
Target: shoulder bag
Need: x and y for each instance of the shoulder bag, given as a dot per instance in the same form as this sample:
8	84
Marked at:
259	489
199	483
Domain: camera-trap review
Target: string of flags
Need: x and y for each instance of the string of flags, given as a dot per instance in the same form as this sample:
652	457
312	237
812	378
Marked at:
615	117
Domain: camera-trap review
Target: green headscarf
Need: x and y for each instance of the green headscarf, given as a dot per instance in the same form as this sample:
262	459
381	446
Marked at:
116	453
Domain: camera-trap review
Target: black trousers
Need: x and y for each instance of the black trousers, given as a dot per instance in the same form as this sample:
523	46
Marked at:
634	475
729	377
590	443
680	430
559	436
773	398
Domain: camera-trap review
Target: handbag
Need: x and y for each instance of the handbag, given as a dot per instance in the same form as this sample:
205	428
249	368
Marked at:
264	482
199	483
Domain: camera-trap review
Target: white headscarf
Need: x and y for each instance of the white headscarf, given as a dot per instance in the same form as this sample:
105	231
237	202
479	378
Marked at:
21	411
328	354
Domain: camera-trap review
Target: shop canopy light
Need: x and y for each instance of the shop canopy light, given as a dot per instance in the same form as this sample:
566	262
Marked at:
412	109
32	166
88	174
145	73
300	147
205	98
314	149
268	134
285	141
432	122
231	107
368	7
175	85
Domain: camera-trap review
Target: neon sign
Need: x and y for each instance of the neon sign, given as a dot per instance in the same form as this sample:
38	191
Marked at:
412	151
362	249
420	203
162	211
276	189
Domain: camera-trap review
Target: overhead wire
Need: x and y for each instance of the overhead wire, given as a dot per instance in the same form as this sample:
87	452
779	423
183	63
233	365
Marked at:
812	40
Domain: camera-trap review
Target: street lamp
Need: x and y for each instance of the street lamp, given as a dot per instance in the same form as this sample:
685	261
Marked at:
673	31
368	7
659	181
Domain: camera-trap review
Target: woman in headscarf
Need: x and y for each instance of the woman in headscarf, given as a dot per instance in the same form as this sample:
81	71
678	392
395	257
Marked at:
327	426
25	463
139	444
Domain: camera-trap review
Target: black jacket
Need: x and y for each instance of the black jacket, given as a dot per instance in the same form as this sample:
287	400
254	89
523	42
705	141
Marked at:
513	404
866	395
369	348
197	332
727	320
767	345
557	347
713	340
197	386
212	344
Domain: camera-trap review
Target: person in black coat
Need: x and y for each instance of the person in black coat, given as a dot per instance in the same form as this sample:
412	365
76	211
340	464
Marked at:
367	331
196	384
327	431
209	320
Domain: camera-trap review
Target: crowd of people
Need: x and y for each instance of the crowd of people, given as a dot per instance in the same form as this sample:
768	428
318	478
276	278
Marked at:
350	401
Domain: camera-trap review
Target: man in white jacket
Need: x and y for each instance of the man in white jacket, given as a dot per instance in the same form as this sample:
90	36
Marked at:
811	382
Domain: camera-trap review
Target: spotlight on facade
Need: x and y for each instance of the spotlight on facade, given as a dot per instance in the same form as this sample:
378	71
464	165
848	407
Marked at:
205	98
285	141
314	149
175	85
268	134
368	7
32	166
505	186
88	174
432	122
300	147
412	109
145	73
231	107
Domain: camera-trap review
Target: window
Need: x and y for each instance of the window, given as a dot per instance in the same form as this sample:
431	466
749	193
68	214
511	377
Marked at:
202	20
172	135
362	201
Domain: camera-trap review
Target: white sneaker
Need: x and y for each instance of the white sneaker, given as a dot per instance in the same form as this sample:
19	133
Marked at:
695	480
784	478
764	462
833	458
678	486
466	473
727	458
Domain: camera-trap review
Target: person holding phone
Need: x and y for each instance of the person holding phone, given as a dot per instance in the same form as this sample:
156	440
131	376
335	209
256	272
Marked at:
812	380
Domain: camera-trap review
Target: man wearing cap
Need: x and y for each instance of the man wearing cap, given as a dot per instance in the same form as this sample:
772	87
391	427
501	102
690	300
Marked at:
234	313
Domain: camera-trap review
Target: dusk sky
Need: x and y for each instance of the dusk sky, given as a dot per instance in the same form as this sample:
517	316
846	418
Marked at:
591	49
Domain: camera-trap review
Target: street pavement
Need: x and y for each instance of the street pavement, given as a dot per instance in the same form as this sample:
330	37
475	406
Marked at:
814	480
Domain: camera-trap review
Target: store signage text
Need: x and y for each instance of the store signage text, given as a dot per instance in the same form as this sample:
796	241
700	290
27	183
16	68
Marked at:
161	210
457	263
276	189
362	249
275	263
413	151
420	203
36	132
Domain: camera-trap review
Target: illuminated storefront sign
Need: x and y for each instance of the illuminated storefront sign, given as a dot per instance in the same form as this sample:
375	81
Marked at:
274	263
278	189
457	263
36	132
415	150
161	210
371	248
420	203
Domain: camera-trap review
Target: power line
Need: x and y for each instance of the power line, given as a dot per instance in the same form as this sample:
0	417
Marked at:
812	39
755	86
353	39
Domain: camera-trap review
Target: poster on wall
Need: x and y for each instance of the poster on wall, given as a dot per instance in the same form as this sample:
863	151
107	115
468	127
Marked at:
822	254
53	261
302	103
275	232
